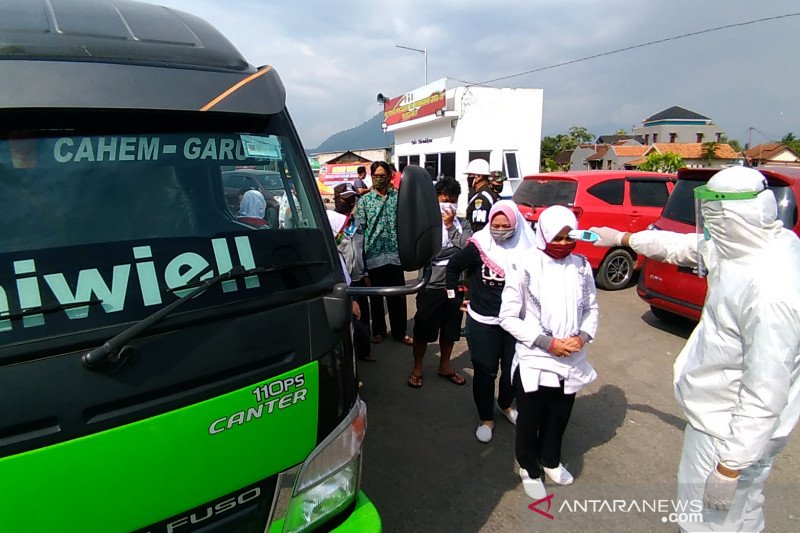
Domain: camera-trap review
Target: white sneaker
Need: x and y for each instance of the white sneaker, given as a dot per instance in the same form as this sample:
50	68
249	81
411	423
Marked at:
511	415
483	433
559	475
534	488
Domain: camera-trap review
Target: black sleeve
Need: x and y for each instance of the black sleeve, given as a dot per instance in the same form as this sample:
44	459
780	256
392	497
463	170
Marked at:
461	260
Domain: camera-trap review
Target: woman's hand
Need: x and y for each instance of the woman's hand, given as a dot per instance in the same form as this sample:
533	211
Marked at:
575	343
563	347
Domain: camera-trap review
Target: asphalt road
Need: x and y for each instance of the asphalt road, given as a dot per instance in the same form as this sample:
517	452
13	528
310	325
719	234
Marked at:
425	470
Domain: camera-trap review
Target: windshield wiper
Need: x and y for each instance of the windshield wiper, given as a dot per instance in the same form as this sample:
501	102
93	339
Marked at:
42	310
111	348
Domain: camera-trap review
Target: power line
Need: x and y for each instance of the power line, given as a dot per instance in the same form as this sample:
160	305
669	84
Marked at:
641	45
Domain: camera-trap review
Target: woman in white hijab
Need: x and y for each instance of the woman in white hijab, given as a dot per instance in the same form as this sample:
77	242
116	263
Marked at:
486	258
549	306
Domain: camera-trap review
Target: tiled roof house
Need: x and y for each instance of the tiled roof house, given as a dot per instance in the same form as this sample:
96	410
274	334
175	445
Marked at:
771	154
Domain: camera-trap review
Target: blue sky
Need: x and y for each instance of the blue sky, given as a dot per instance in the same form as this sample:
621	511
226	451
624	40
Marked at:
335	57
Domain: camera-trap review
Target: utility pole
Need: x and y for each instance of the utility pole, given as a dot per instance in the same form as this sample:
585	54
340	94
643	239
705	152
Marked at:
423	51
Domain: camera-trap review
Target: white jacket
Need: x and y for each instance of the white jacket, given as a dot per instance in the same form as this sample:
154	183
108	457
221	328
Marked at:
521	315
738	377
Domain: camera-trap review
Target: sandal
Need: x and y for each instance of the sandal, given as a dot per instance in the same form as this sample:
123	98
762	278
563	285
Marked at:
377	339
414	381
454	378
408	341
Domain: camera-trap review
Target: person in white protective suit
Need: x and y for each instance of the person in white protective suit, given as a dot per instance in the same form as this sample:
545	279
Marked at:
738	377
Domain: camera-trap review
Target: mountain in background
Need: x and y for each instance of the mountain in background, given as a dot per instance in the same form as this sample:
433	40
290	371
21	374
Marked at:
367	135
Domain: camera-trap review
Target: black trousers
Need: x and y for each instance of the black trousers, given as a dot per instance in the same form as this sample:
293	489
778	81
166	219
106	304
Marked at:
388	276
542	419
490	346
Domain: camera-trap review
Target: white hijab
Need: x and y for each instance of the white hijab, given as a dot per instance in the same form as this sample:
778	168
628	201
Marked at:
253	205
496	255
558	281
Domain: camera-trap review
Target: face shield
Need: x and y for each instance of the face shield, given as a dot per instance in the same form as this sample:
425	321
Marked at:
709	204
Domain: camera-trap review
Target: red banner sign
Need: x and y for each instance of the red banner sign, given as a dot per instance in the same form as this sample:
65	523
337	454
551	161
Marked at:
419	103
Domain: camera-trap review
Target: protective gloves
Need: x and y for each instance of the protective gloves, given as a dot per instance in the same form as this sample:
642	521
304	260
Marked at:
608	237
719	491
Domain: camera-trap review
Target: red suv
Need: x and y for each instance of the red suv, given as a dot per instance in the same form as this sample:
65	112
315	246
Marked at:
621	199
675	291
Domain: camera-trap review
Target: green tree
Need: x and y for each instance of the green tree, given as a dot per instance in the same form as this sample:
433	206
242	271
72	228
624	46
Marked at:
579	134
620	132
553	145
709	151
735	144
792	142
667	163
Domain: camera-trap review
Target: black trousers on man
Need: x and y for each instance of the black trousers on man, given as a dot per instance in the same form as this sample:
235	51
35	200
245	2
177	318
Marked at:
388	276
542	419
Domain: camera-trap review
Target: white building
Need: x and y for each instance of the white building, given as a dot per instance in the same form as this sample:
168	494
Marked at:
447	128
678	125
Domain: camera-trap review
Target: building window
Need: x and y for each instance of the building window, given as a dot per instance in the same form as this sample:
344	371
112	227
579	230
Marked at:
510	166
700	138
673	137
479	155
413	160
448	166
646	138
432	165
655	138
608	165
719	136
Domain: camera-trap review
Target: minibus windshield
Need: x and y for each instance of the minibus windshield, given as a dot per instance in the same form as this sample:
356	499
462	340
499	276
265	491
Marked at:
103	227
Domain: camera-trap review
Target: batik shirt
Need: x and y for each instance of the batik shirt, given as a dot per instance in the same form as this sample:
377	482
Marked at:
380	228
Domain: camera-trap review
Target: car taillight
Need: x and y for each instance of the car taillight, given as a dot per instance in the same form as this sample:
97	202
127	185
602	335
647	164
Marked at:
578	211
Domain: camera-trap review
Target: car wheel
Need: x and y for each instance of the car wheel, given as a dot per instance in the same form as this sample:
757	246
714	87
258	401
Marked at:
616	271
667	316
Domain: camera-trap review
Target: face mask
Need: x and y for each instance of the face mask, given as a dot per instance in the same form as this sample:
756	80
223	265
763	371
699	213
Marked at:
501	235
448	207
344	205
379	183
497	187
559	251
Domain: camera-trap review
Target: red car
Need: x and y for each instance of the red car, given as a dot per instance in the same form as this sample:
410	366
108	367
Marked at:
673	291
622	199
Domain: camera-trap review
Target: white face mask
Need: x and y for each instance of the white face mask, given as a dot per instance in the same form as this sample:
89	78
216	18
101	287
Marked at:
447	207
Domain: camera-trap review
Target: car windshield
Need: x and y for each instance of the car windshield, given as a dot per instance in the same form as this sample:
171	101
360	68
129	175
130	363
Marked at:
680	205
124	219
536	193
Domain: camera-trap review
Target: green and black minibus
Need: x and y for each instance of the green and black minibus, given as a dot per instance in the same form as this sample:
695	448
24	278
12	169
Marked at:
166	365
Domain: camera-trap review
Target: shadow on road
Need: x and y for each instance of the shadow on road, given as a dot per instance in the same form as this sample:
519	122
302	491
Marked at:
682	327
674	421
595	419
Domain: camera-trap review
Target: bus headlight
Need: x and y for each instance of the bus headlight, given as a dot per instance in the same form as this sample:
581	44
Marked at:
328	481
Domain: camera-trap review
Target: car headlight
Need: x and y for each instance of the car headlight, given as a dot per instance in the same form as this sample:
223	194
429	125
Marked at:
328	480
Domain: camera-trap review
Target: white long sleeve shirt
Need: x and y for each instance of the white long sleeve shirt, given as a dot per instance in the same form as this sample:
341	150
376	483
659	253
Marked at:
521	314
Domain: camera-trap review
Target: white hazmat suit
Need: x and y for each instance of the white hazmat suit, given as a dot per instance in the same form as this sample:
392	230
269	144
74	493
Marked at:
738	377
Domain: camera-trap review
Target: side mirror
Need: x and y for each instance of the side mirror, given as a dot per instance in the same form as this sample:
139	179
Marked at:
419	221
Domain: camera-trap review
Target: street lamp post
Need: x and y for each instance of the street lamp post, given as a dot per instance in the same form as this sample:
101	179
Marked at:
424	51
